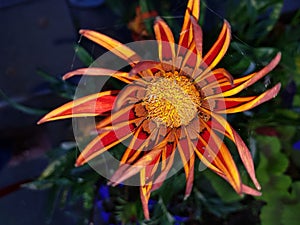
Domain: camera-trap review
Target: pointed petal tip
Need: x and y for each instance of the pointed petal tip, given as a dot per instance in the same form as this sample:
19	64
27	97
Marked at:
278	56
276	89
43	120
157	19
66	76
256	183
274	62
80	161
82	31
186	197
40	122
250	191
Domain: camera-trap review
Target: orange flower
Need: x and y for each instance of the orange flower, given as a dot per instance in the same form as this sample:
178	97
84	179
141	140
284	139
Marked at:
176	107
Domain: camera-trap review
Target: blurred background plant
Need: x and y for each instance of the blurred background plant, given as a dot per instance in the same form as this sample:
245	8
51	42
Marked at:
272	131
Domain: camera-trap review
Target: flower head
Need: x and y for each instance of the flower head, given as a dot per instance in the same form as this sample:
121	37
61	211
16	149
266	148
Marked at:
173	106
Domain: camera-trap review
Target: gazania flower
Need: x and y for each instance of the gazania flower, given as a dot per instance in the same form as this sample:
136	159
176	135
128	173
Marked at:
174	106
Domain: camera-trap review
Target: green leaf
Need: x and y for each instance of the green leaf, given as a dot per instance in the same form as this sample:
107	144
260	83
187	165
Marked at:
145	8
253	20
47	77
271	213
290	214
22	108
83	55
57	85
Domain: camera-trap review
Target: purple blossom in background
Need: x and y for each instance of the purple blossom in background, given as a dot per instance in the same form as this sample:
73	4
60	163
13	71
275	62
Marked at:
296	145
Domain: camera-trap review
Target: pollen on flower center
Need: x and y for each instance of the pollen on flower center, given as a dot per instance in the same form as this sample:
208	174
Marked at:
171	99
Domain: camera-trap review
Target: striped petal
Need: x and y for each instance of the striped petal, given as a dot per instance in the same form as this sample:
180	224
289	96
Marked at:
252	79
197	35
218	50
145	66
188	158
222	159
243	150
93	71
212	80
215	155
220	83
105	141
192	57
112	45
186	35
115	128
168	154
139	142
126	171
92	105
165	39
241	104
145	190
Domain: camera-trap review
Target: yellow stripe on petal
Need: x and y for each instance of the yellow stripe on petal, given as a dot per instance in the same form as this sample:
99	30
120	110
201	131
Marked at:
214	78
193	8
165	39
131	148
218	50
253	78
143	162
93	71
164	168
190	176
204	158
266	96
112	45
144	193
244	152
225	162
188	159
96	147
91	105
114	116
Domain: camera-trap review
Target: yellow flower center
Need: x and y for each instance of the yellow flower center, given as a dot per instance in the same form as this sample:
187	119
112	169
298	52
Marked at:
171	99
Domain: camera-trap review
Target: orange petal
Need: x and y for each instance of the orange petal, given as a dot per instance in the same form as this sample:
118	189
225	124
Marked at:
192	57
248	102
166	166
145	191
128	93
186	36
165	39
218	50
112	45
91	105
104	142
92	71
116	116
197	35
214	154
137	145
145	66
190	177
244	152
250	191
188	158
214	79
252	79
126	170
221	85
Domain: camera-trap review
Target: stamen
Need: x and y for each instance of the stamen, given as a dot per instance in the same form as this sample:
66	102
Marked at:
171	99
